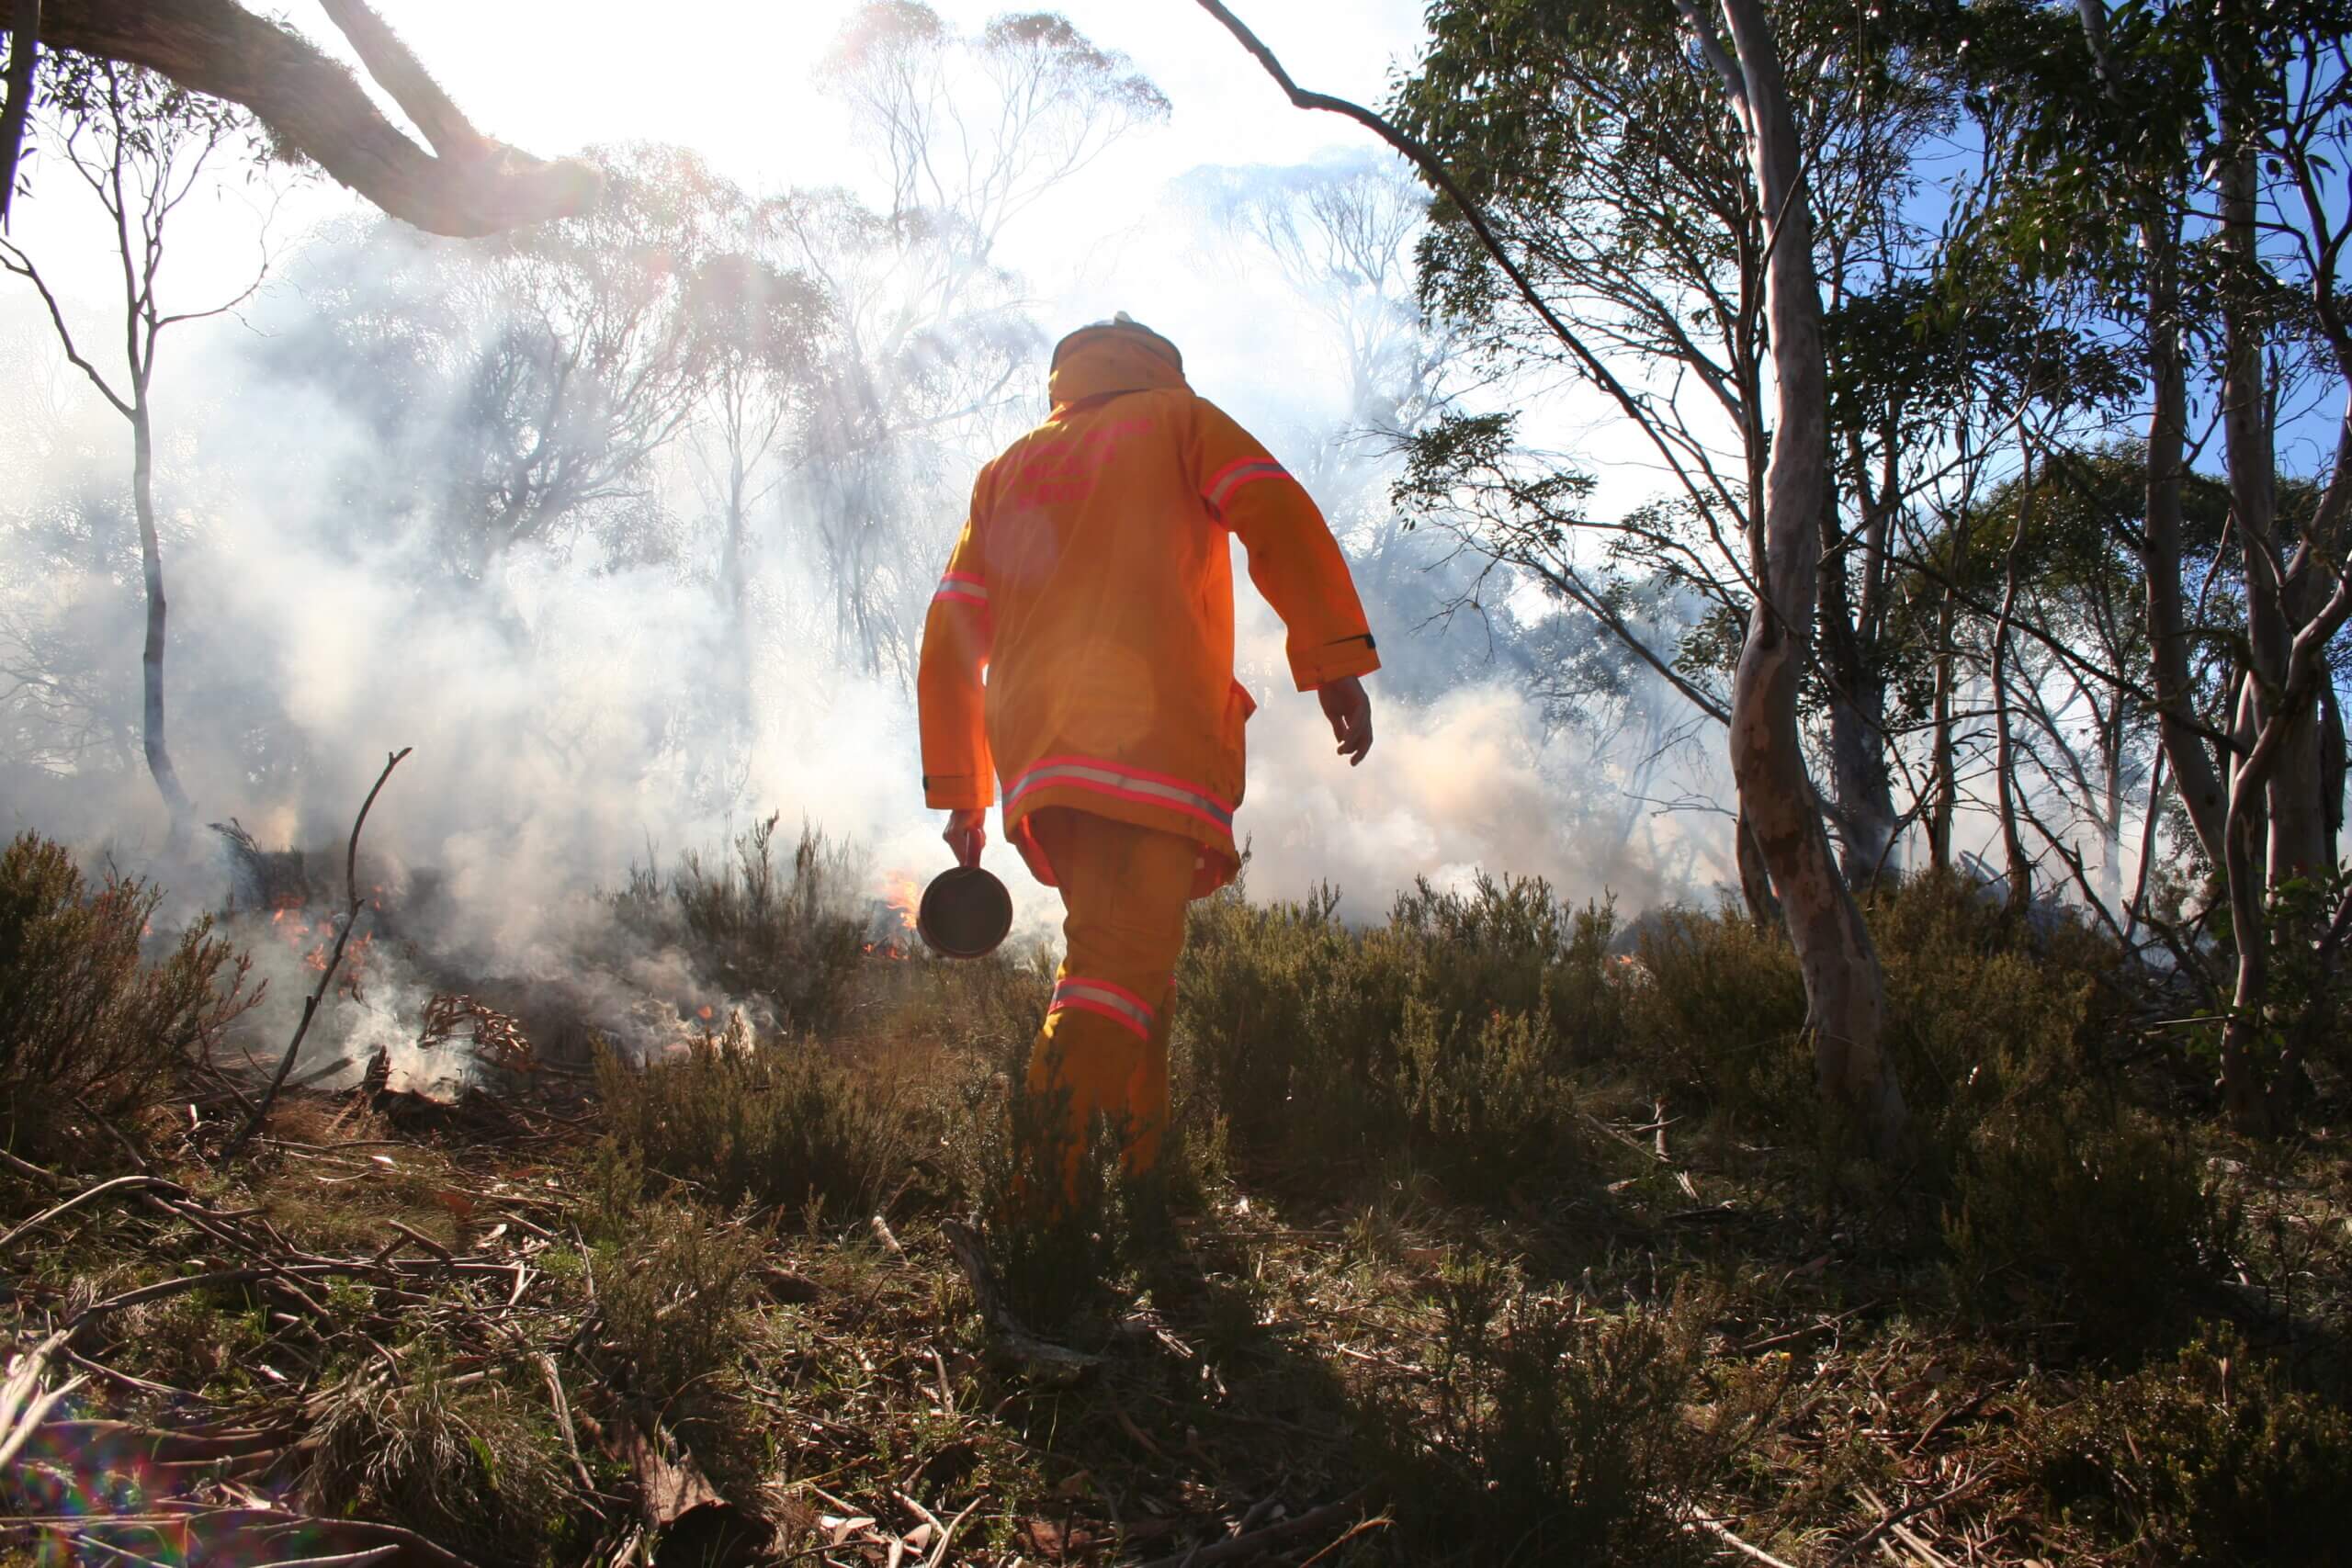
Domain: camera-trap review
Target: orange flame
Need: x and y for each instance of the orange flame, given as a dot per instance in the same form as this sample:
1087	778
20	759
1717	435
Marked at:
703	1012
904	895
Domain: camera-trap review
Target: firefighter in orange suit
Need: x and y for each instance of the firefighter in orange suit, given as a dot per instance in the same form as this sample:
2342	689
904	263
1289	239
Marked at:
1080	650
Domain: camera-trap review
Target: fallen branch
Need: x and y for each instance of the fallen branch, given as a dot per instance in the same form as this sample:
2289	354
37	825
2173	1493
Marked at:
23	1404
117	1185
1868	1538
1235	1548
1754	1554
334	960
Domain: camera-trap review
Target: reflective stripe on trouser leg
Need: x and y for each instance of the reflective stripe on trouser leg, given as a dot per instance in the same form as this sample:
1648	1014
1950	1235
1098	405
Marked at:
1105	1038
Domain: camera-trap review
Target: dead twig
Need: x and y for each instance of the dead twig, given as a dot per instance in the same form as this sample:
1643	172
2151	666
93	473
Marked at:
947	1536
1754	1554
1234	1548
334	960
1868	1538
23	1402
117	1185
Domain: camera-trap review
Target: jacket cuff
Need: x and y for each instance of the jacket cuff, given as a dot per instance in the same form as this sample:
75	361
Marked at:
957	791
1316	668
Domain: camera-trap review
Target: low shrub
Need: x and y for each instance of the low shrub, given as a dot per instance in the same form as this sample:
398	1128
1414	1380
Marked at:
792	935
2209	1460
83	1019
1980	1008
1719	1016
1446	1033
2071	1212
672	1288
778	1124
1551	1431
468	1463
1487	1094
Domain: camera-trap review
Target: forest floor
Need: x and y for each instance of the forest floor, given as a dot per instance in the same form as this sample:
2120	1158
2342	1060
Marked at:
523	1328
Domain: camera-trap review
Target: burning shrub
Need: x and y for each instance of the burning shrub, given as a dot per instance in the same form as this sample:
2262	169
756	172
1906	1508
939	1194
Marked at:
81	1017
790	935
778	1122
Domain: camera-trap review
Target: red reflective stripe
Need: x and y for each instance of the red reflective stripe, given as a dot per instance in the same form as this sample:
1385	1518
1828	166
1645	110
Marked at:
1140	798
1171	780
1238	475
1079	1004
1235	467
1106	985
950	596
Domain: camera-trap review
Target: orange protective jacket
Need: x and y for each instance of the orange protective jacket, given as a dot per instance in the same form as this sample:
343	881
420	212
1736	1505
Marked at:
1080	647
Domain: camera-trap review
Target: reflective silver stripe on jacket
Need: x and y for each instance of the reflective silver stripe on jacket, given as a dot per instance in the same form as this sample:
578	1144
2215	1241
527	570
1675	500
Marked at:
1095	994
1106	776
961	588
1240	474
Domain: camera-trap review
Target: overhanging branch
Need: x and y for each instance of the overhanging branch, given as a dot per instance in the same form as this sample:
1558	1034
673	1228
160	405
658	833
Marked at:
476	186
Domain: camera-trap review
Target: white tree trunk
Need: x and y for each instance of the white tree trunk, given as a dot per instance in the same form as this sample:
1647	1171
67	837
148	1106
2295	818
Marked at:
1845	993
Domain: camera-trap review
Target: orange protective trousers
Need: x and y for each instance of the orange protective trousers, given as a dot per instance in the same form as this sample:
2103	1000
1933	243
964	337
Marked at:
1105	1036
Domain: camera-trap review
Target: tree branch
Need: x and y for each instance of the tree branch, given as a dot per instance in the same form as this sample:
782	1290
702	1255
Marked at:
218	48
24	51
398	71
326	976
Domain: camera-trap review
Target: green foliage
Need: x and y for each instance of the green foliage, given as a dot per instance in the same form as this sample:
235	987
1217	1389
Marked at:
82	1018
1054	1247
779	1123
672	1285
2212	1461
1559	1433
1978	1008
2070	1212
792	935
1447	1031
468	1463
1720	1014
1487	1092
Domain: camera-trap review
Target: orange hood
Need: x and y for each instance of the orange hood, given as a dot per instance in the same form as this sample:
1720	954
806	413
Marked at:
1097	361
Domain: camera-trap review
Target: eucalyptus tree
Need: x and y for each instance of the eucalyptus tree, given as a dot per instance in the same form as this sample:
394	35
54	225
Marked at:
141	147
929	335
2183	159
1598	145
590	359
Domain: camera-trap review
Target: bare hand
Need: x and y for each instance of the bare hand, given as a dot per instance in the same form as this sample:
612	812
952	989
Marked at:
1350	711
967	834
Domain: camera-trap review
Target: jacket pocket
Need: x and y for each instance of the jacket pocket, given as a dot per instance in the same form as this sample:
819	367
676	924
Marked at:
1232	765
